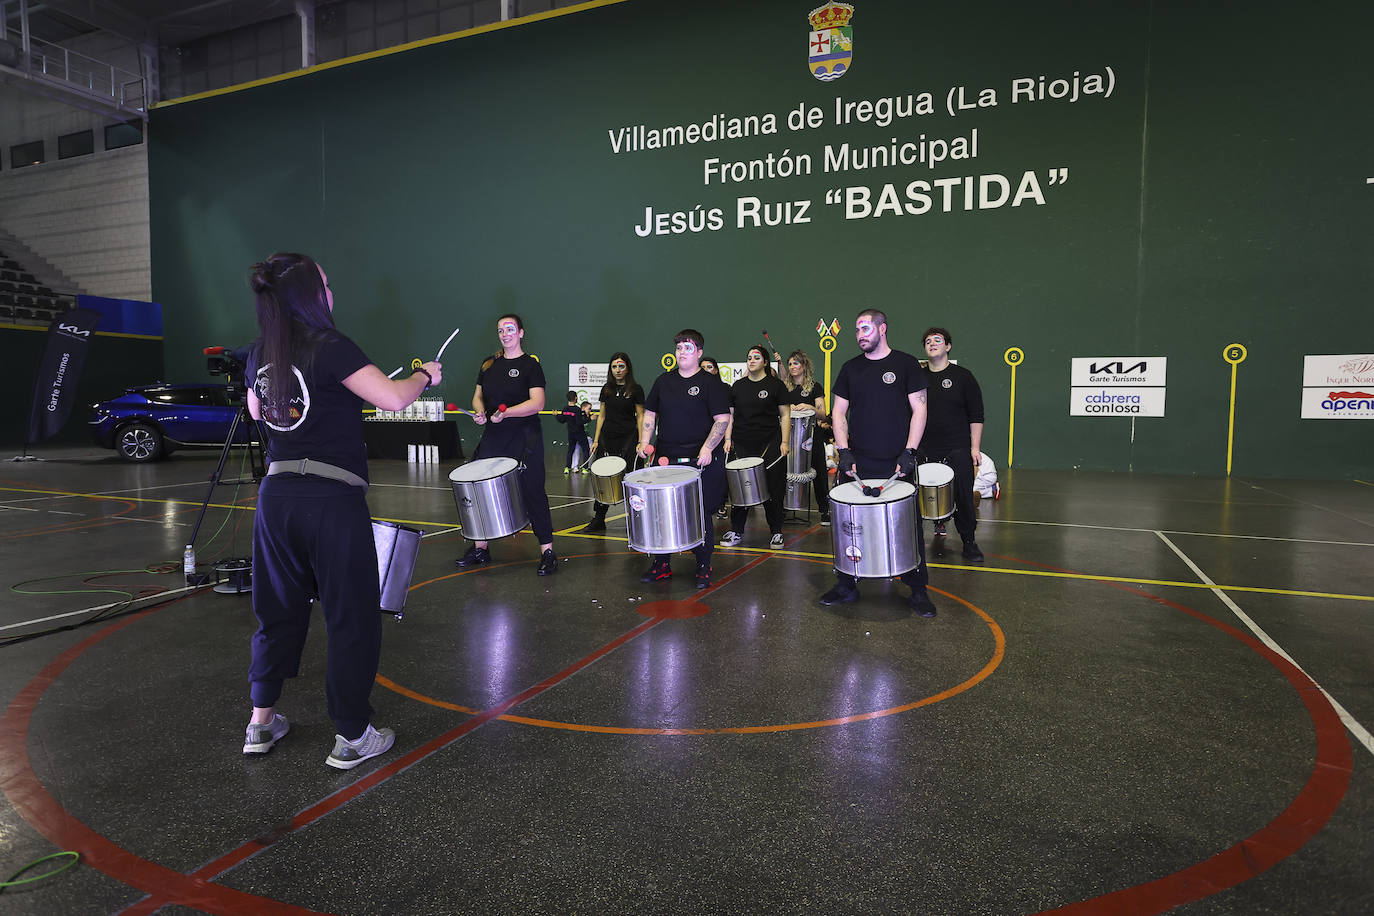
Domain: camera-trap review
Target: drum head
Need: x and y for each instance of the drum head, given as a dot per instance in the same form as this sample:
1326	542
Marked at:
674	475
483	469
852	493
800	411
743	464
608	466
934	474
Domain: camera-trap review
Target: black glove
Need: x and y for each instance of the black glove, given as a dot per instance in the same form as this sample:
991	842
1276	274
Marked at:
844	461
906	462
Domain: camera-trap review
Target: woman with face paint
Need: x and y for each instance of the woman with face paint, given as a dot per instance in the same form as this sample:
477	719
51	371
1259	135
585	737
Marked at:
807	391
618	423
507	401
760	427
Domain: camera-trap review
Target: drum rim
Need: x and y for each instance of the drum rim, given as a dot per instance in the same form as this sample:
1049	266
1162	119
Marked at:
739	464
880	500
935	483
694	473
514	466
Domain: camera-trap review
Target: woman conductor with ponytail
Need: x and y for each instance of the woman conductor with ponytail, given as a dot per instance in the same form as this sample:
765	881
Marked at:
312	534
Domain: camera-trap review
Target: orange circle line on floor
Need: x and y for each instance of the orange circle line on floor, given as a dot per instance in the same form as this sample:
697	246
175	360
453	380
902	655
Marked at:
999	651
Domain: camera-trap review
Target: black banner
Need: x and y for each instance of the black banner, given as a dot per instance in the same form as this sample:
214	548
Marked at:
54	388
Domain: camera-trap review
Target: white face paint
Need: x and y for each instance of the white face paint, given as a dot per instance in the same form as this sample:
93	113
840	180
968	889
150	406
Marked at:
618	370
688	357
868	334
509	333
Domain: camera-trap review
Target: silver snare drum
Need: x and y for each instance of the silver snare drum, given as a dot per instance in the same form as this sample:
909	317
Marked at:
799	470
397	547
747	484
487	492
663	509
874	537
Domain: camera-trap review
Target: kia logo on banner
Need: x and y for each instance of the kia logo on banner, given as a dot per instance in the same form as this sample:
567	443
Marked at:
54	387
1117	386
1338	387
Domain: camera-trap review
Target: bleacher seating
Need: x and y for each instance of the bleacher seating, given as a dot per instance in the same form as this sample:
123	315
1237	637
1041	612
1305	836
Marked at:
26	299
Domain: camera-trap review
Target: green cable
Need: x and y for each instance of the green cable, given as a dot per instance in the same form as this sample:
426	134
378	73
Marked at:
14	880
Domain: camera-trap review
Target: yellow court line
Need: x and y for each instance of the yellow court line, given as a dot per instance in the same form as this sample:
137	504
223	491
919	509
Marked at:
1365	482
1048	574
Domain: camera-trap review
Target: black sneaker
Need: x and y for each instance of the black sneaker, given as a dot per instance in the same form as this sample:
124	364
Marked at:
842	593
972	553
703	575
825	517
940	530
476	556
657	572
921	604
548	563
595	525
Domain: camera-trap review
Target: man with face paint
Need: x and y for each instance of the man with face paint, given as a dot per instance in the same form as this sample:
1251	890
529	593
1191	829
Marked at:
690	409
506	403
879	415
954	436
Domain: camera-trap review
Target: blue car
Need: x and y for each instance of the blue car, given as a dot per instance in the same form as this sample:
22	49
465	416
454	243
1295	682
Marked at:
149	421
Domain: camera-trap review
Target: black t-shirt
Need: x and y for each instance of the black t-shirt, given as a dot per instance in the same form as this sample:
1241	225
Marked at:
806	397
756	408
324	420
879	411
576	420
508	381
621	421
686	409
954	401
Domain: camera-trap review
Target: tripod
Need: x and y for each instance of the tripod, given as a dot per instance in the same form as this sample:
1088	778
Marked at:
258	466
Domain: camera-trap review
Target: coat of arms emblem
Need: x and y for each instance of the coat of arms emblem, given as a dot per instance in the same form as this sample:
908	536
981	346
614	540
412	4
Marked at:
832	41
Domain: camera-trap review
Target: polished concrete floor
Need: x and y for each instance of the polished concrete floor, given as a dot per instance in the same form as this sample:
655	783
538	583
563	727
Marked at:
1155	694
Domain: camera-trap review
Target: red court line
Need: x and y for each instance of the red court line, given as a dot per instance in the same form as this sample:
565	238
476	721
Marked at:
1284	835
36	805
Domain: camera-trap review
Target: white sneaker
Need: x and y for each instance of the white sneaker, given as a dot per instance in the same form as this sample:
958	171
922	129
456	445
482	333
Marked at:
730	538
775	542
260	738
372	743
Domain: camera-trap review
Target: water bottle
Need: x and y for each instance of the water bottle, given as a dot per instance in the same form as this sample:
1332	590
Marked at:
188	562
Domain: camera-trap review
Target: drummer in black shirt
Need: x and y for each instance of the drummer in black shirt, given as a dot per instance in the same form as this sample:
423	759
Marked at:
879	416
954	435
805	390
617	423
507	401
691	409
760	426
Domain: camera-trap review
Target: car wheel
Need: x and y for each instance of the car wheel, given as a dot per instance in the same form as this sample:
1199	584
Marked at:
140	442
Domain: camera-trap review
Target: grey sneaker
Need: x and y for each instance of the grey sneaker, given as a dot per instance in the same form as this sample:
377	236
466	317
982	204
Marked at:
259	739
730	538
776	542
372	743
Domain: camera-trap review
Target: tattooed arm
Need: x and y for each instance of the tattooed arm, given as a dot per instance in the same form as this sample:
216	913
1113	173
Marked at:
646	432
716	437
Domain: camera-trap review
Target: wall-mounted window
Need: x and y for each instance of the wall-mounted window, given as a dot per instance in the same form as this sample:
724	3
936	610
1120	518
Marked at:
26	154
127	133
81	143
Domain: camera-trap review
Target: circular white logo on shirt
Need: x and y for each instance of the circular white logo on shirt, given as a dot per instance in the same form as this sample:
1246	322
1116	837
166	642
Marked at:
763	394
694	391
889	378
946	383
296	409
514	373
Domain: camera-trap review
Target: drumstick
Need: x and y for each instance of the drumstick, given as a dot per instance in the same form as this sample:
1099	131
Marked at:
877	491
775	461
446	343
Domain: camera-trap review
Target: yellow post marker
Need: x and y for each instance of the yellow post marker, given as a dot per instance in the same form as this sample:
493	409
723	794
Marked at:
1013	357
668	361
1235	355
827	347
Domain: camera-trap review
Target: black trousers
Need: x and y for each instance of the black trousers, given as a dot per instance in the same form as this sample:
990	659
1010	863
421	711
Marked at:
712	498
615	448
960	461
527	447
311	537
775	477
882	468
574	442
820	486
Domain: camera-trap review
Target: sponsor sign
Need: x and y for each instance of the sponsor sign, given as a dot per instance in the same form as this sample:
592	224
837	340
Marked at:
1117	386
1338	387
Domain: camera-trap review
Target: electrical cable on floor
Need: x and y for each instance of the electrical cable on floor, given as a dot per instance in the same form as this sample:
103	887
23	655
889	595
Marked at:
117	609
15	881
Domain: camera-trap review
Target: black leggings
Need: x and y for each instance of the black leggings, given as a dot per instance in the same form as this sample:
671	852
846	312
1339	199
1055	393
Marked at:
775	477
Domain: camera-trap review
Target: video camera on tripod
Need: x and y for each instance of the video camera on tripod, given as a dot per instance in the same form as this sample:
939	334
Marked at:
230	362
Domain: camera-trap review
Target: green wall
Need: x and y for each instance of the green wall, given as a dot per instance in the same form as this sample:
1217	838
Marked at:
1217	195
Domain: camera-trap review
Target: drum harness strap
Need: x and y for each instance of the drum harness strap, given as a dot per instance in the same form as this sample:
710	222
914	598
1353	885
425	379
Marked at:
313	468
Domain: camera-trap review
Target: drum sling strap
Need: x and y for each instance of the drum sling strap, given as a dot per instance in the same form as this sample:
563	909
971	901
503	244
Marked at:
316	469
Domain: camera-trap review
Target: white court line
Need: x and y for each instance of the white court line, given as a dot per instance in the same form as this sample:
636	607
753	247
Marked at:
98	608
20	509
1200	534
1303	502
1361	733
